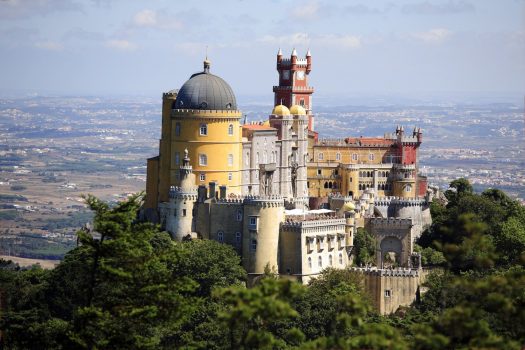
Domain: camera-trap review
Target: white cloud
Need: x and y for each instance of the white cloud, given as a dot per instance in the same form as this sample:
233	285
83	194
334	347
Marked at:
306	11
145	18
339	41
49	45
123	45
304	40
436	35
155	19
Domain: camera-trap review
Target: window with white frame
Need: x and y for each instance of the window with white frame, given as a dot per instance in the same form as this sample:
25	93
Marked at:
320	156
230	130
338	156
202	177
203	160
408	188
220	236
371	156
354	156
230	159
204	130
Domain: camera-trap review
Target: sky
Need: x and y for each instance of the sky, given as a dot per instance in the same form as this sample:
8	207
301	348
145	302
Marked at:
139	47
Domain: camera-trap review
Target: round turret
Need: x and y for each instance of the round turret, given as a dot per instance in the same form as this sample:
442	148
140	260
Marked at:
297	110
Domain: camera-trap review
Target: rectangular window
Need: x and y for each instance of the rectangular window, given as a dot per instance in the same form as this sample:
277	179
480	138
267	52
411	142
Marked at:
202	177
354	156
319	172
203	160
254	245
183	212
238	237
177	129
371	156
177	158
388	293
252	223
230	159
338	156
204	130
230	176
320	156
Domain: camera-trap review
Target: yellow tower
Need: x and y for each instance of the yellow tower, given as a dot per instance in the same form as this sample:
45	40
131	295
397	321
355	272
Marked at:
201	117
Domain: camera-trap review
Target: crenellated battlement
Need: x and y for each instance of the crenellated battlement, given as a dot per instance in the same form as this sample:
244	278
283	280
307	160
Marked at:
231	200
391	222
177	192
264	201
397	272
392	200
297	223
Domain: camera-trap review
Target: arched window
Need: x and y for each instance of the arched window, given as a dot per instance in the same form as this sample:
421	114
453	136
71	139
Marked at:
177	129
220	236
265	157
238	216
354	156
330	185
340	259
320	261
368	174
204	130
230	159
338	156
309	262
203	160
326	185
371	156
408	188
230	130
330	262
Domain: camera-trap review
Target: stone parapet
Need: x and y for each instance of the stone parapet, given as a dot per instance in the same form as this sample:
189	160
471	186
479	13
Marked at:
397	272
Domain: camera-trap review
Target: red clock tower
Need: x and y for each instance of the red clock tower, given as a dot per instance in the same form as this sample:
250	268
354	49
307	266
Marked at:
293	86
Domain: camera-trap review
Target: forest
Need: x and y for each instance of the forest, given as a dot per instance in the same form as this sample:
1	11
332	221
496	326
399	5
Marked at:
128	285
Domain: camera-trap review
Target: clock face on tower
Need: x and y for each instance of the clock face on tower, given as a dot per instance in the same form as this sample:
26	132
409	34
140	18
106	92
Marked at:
300	75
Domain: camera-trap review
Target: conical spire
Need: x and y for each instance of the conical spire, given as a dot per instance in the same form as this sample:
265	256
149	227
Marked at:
294	52
308	54
280	52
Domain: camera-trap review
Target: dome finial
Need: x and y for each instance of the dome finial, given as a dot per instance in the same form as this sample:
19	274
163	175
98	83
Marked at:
207	62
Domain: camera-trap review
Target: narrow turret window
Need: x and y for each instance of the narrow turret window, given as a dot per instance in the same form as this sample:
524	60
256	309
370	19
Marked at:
177	158
204	130
230	130
177	129
239	215
340	259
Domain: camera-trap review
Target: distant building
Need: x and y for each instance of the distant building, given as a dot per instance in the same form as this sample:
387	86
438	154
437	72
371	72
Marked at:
280	195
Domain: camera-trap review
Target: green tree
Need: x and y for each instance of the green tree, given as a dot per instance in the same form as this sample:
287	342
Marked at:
251	314
364	248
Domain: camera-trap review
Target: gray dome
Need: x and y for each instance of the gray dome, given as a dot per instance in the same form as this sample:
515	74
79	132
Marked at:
206	91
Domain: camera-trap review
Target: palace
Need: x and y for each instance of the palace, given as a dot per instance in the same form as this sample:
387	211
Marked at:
283	197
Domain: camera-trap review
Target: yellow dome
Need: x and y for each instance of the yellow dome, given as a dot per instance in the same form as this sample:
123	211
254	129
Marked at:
266	123
297	110
281	110
349	206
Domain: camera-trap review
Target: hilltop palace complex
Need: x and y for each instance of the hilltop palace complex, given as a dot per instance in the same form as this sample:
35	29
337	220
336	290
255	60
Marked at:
280	195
